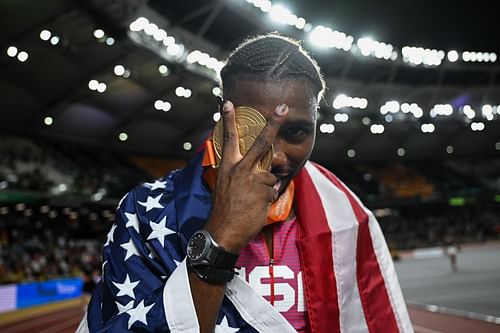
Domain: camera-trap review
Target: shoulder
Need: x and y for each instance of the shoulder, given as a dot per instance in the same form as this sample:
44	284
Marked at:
321	173
158	187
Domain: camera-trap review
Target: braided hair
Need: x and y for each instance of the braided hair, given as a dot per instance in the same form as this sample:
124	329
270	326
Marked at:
271	57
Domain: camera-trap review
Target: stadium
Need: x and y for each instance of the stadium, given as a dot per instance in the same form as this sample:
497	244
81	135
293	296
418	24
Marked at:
101	96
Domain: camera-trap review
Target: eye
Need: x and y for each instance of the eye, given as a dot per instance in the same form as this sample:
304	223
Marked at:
295	133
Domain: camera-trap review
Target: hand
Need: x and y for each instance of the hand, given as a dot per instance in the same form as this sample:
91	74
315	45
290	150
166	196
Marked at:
243	193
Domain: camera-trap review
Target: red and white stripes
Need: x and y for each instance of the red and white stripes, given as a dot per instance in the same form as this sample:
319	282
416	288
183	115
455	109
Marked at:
342	249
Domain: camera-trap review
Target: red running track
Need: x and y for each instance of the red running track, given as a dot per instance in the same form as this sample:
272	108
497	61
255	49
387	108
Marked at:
67	320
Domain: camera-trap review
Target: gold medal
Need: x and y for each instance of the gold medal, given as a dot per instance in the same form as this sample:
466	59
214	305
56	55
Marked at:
249	123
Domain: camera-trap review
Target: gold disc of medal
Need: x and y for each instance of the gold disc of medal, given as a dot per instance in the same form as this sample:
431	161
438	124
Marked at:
249	123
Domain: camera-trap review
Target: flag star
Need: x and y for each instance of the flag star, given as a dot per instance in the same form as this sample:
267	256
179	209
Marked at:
127	287
139	314
223	327
111	235
132	221
121	201
157	184
130	248
160	230
151	203
124	308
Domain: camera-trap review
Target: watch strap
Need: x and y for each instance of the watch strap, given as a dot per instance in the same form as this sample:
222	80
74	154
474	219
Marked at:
222	258
213	275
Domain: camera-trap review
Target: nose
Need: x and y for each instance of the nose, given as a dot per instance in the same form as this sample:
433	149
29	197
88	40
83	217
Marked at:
279	156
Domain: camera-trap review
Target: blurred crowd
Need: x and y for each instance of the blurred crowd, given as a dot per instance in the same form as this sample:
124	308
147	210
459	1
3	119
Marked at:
431	225
38	248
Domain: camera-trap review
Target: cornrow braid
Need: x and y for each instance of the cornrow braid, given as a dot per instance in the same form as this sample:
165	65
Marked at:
271	57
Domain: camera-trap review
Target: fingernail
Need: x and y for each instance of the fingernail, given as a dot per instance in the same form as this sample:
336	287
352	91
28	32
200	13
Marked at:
281	110
227	105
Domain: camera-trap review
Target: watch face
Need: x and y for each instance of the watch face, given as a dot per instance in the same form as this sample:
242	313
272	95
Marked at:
198	245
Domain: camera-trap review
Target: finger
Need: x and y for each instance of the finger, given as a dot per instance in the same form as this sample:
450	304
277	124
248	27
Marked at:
272	195
265	178
230	145
265	139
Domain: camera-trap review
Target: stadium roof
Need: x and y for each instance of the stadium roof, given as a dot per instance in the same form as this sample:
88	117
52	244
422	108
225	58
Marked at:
92	72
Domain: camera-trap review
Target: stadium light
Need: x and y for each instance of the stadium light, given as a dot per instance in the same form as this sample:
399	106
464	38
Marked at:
123	136
12	51
187	145
179	91
216	91
48	121
327	128
427	128
341	117
351	153
45	35
468	111
477	126
54	40
342	101
163	69
119	70
162	105
452	56
441	110
487	112
99	33
22	56
377	129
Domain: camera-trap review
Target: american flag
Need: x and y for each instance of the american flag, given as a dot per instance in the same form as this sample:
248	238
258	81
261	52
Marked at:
349	280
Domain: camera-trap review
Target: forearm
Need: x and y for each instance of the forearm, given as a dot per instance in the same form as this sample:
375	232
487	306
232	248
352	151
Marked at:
207	298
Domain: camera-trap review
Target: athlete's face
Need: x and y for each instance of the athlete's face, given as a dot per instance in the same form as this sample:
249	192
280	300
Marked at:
295	140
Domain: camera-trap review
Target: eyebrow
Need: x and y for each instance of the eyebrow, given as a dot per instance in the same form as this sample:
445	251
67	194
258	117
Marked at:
298	122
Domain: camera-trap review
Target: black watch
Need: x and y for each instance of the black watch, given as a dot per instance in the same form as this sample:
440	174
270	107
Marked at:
209	260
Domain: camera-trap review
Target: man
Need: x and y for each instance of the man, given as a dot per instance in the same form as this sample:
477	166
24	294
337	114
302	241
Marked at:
321	266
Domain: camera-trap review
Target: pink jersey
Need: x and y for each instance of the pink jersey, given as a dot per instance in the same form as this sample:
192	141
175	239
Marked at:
279	281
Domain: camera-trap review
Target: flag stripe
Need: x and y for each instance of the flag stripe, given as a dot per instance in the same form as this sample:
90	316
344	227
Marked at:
320	288
389	273
254	309
377	307
344	228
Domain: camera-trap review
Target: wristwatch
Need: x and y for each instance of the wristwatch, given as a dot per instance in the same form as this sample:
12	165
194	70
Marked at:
209	260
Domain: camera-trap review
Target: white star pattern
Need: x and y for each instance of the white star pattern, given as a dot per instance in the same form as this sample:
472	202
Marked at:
157	184
132	221
223	327
139	314
127	287
131	249
111	235
124	308
151	202
160	231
